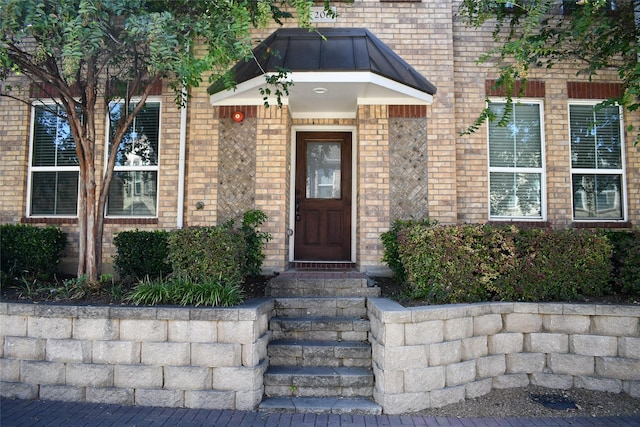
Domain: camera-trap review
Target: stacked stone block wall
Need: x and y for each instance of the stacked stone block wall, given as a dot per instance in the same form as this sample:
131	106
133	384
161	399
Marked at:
176	357
436	355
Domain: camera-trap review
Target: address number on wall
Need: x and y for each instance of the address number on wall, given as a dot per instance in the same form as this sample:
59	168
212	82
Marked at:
318	14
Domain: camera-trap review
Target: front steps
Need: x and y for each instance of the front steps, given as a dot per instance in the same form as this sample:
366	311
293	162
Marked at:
319	356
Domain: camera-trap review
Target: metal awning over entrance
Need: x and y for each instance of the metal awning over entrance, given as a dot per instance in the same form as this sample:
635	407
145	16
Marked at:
333	71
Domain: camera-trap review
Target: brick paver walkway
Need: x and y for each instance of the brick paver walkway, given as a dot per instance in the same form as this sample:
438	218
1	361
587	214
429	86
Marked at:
54	414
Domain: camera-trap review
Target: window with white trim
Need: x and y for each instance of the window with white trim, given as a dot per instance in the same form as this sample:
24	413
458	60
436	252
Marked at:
597	174
134	188
53	167
516	170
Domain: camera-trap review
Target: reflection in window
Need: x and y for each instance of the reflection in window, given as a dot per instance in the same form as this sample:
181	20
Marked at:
323	170
134	189
515	163
596	162
54	169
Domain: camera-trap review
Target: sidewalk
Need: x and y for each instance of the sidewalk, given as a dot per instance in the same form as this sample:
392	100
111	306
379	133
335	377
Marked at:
54	414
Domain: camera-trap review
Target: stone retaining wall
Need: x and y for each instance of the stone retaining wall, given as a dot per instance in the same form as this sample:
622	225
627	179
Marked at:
151	356
436	355
215	358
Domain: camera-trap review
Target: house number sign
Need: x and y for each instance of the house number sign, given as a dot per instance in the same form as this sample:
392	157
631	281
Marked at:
318	14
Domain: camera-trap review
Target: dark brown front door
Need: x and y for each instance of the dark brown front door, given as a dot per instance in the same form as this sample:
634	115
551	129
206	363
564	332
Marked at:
323	196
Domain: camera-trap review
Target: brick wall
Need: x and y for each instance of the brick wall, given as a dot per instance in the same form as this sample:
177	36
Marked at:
373	200
470	95
14	137
273	164
201	161
455	167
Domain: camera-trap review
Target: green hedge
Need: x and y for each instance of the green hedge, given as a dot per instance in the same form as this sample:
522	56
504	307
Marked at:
626	261
471	263
26	250
392	246
141	254
197	250
450	264
208	252
557	265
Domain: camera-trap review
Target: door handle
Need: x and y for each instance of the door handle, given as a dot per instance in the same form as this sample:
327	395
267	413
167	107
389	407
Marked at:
297	209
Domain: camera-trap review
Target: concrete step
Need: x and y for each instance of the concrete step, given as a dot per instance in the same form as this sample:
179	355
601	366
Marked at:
321	284
319	353
320	405
320	328
305	381
321	306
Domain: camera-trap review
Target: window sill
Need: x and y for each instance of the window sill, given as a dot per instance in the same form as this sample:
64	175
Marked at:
602	224
130	220
73	221
48	220
521	224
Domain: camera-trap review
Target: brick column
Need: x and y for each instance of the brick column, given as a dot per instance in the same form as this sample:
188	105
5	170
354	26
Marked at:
202	161
273	163
373	215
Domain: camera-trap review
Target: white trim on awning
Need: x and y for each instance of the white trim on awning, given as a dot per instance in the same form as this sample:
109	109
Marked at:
344	92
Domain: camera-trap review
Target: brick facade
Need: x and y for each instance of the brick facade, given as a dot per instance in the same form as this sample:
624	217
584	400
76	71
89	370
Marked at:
430	37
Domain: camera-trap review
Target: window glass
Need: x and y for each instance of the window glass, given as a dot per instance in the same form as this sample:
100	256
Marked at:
134	189
596	162
323	170
54	169
515	163
133	193
54	193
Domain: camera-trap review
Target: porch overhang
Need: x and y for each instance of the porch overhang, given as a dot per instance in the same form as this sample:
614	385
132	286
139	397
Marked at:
333	71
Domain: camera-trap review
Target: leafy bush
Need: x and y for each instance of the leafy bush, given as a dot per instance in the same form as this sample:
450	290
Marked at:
254	240
183	290
29	251
142	253
557	265
390	241
471	263
208	252
626	260
450	264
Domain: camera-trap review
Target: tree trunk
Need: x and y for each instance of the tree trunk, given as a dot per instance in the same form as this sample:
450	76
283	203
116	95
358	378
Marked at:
88	256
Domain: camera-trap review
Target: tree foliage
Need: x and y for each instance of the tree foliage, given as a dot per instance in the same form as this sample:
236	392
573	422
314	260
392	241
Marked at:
82	52
597	35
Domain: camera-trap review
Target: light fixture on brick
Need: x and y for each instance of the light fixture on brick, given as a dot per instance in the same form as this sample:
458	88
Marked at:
238	116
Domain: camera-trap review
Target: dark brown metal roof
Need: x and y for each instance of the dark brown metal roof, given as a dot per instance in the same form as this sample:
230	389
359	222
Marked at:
341	49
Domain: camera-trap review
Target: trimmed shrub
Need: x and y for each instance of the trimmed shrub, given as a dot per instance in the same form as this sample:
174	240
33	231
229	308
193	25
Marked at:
208	252
29	251
142	254
626	260
471	263
557	265
451	264
390	241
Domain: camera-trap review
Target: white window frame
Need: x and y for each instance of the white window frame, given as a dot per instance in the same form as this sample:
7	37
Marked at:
588	171
44	103
541	170
151	168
